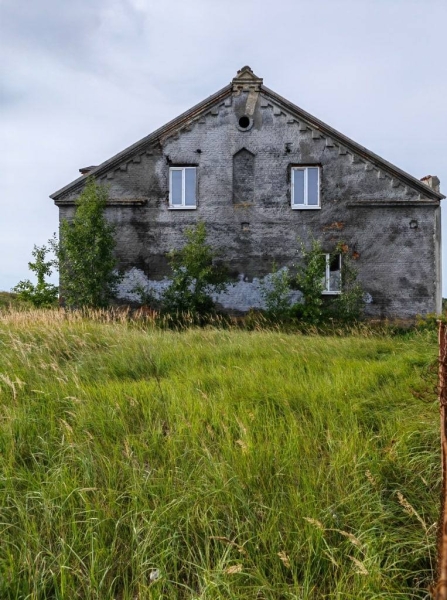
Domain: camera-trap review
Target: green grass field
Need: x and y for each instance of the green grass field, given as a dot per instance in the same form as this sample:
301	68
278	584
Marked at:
214	464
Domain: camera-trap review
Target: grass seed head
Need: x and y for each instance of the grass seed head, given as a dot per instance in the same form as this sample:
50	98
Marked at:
234	569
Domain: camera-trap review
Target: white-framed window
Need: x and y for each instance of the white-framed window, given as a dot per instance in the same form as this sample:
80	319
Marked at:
305	188
182	187
332	276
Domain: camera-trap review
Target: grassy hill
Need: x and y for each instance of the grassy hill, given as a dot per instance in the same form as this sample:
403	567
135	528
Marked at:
8	300
213	464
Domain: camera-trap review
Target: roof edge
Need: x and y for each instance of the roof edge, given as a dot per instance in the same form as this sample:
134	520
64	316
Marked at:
349	143
222	93
152	137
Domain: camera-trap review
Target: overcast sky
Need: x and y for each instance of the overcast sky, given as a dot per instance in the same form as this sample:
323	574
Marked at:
81	80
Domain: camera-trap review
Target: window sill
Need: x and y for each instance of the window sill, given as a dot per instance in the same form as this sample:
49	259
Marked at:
182	207
306	207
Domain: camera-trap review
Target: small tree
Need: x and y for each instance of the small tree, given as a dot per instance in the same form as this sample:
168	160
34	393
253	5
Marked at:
194	276
85	252
276	291
42	294
310	281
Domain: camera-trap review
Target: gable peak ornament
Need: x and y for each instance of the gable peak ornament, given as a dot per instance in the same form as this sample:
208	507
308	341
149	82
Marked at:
246	81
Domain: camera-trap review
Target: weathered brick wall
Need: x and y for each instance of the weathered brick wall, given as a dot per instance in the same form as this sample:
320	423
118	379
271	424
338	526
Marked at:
253	224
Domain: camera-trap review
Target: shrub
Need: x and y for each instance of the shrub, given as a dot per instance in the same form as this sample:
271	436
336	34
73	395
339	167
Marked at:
195	277
310	281
349	305
429	322
42	294
275	292
85	252
147	296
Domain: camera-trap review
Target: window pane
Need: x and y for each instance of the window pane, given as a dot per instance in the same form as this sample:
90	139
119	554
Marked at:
176	187
190	187
335	274
298	186
312	186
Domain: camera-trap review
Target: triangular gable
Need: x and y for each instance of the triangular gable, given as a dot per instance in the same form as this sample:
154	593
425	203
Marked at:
247	81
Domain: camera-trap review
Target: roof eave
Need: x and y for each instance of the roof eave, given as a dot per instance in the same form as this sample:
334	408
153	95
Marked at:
227	90
358	148
141	144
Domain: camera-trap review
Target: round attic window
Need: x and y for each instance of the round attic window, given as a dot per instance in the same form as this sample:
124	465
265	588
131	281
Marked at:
245	123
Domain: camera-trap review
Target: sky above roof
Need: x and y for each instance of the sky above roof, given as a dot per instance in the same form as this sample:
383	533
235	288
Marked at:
80	81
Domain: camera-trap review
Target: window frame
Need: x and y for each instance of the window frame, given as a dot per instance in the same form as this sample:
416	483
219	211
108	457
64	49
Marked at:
327	274
305	169
182	206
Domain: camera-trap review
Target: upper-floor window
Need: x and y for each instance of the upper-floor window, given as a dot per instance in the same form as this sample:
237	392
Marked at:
182	187
305	187
332	277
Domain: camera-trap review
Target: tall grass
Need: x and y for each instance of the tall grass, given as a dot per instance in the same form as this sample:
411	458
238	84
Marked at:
214	464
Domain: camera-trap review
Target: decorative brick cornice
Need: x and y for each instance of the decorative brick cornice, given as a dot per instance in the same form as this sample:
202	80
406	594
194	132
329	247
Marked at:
110	201
346	146
391	203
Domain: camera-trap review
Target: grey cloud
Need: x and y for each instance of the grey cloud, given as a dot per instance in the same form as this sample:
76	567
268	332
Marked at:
81	34
10	95
51	25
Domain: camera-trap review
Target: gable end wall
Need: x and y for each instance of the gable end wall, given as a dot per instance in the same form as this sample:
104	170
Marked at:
392	229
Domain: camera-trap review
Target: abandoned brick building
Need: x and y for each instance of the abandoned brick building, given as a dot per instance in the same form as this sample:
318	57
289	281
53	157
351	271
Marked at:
262	173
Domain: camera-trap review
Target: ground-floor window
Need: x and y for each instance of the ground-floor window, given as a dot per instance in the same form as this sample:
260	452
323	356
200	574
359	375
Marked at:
332	277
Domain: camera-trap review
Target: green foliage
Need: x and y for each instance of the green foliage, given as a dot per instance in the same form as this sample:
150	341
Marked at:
429	322
309	464
85	252
349	305
147	296
9	300
195	276
310	281
275	292
345	307
42	294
